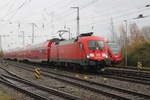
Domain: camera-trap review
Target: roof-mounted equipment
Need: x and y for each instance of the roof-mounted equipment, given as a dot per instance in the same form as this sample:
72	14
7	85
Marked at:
86	34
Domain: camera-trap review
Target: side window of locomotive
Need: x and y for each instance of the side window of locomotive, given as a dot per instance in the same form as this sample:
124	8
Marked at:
81	45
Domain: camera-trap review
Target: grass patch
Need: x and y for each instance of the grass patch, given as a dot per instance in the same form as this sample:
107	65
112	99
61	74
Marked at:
144	68
4	96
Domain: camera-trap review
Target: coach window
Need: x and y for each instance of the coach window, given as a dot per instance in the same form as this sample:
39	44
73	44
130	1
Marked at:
43	51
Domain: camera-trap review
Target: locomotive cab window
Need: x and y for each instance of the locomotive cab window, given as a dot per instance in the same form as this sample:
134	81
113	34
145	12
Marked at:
114	48
95	44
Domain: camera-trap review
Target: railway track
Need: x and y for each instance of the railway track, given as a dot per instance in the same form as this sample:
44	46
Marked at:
128	78
125	76
129	72
114	92
130	68
132	76
36	91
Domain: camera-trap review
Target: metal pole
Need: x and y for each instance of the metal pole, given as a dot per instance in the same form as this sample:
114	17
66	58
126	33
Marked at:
32	32
78	21
112	30
0	43
69	33
23	39
19	27
126	52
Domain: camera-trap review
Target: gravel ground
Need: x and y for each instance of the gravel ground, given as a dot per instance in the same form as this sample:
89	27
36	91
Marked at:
85	94
7	93
77	91
136	87
124	84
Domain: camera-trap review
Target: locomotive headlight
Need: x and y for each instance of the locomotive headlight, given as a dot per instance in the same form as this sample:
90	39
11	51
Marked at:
90	55
104	55
87	56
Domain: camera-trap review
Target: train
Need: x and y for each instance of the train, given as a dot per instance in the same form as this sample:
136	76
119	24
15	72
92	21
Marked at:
115	53
84	52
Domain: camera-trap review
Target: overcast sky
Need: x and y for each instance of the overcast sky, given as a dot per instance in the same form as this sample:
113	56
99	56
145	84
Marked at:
49	16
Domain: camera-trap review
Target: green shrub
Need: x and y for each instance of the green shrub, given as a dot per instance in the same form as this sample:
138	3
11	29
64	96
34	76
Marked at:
139	51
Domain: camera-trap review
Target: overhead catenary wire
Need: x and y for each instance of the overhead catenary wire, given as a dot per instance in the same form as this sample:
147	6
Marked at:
6	4
6	8
98	17
12	12
72	12
102	20
96	23
10	8
89	18
15	12
116	17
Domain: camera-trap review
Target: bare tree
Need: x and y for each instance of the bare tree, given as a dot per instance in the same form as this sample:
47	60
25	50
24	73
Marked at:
146	32
135	33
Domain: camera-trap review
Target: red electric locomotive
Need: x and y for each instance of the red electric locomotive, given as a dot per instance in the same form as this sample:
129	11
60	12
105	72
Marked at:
115	53
87	51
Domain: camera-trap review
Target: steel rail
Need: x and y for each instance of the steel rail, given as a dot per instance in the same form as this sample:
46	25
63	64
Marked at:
130	68
53	91
132	76
103	85
31	94
128	72
79	84
129	79
44	88
91	83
